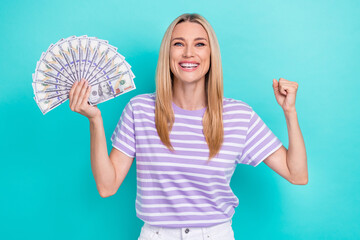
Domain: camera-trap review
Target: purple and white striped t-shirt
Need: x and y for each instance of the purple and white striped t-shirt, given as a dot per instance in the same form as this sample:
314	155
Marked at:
180	189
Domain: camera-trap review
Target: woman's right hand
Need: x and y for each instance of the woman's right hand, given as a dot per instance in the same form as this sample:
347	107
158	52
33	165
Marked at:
78	97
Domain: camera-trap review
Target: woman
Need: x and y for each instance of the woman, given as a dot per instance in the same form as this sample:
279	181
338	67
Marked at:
188	139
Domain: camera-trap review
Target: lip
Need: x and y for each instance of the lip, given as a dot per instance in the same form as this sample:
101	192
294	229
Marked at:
189	69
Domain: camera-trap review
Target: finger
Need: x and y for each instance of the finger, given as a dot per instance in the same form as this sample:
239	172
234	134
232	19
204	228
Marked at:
276	87
86	97
76	92
81	94
295	84
71	93
290	87
275	84
282	88
283	80
287	82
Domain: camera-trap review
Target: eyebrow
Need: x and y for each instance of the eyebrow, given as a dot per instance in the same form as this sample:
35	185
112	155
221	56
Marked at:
180	38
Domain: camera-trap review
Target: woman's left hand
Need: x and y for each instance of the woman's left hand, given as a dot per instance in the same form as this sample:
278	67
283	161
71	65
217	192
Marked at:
285	93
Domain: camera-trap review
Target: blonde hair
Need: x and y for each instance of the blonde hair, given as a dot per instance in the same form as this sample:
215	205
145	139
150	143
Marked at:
212	119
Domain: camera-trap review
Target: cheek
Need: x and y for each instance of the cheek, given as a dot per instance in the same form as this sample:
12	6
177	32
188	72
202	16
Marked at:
172	60
172	65
206	60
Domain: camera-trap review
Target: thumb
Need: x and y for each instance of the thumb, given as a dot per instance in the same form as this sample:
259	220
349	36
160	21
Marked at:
276	89
275	86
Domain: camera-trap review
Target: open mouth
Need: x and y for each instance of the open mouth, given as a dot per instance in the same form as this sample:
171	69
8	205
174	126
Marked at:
188	66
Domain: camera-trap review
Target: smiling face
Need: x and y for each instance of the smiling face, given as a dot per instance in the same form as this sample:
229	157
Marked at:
189	52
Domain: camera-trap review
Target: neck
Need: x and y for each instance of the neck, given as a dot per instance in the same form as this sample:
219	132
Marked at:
189	96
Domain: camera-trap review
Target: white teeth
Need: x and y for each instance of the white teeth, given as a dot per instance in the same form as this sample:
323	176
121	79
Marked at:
189	65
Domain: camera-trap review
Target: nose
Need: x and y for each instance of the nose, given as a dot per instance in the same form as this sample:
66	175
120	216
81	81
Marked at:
188	51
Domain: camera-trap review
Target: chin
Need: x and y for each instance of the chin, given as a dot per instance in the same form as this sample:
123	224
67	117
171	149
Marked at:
189	80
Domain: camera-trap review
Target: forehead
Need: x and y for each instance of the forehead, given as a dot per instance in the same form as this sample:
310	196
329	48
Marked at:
189	30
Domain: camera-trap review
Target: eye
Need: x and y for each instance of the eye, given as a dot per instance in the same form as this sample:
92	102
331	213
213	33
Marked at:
200	44
178	44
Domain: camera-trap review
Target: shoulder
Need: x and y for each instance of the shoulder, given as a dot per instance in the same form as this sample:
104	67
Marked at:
231	104
148	97
143	101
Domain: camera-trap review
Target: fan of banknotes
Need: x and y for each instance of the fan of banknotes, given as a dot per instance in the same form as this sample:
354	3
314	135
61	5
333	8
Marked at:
74	58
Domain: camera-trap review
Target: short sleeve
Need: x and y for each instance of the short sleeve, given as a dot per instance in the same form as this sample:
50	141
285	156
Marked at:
260	142
123	137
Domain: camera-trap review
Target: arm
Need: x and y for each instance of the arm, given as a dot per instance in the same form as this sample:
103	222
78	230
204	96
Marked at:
292	163
109	171
296	154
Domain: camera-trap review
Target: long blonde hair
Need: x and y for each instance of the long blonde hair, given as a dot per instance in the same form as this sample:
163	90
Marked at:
212	119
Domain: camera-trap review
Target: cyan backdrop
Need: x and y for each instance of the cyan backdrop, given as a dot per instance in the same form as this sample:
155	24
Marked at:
47	187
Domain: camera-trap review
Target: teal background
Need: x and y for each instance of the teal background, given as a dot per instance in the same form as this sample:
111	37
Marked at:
47	187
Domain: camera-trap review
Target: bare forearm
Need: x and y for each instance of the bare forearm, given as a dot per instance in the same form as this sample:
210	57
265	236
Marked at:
102	168
296	154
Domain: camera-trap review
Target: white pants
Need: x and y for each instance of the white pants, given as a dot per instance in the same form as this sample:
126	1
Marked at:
221	231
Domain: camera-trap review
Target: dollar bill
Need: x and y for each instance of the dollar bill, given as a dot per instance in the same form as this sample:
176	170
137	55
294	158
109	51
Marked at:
108	59
94	51
42	96
74	52
118	67
54	52
49	104
106	90
65	53
44	72
46	87
56	63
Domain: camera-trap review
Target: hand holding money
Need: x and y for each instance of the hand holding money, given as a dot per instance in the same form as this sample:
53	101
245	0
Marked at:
78	97
68	61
